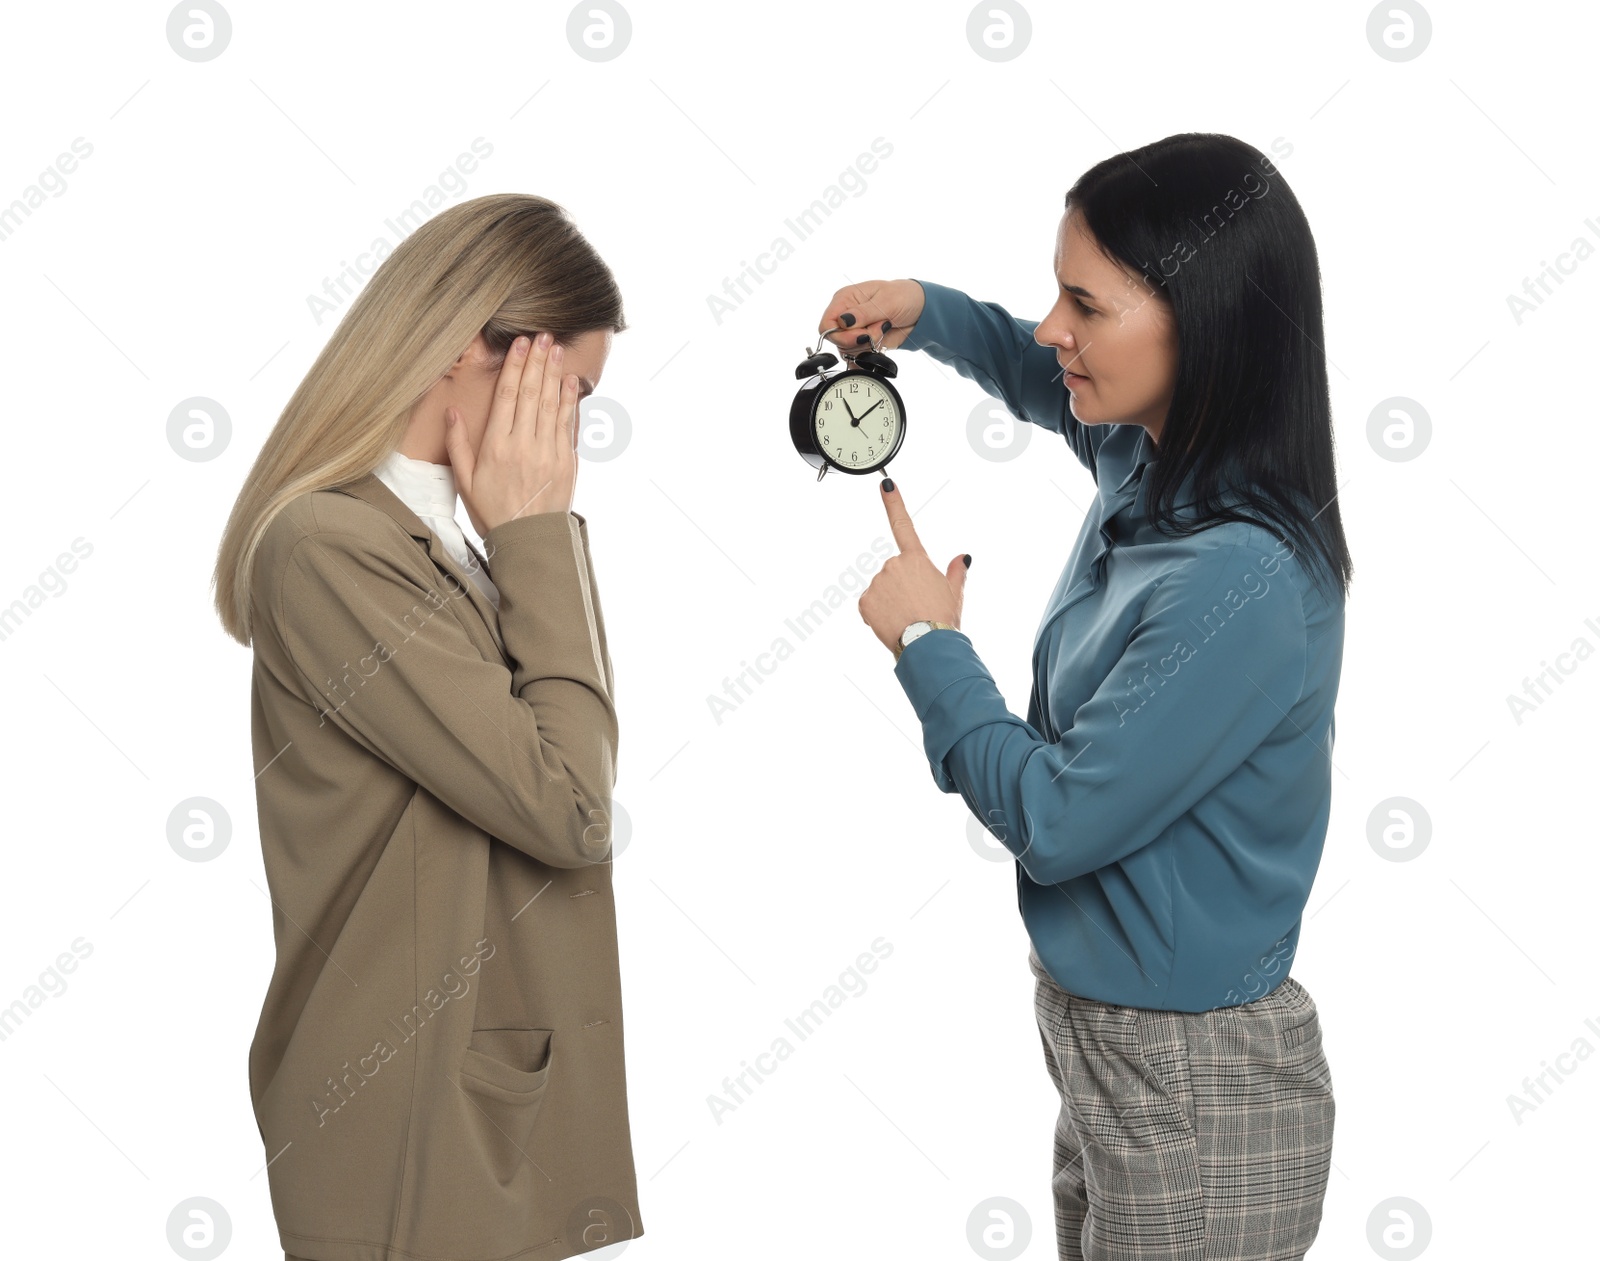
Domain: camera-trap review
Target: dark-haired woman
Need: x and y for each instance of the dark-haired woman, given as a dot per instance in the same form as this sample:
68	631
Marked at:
1167	797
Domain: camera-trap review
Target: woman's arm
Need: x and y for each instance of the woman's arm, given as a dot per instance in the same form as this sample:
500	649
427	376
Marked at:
984	343
528	754
1216	662
594	593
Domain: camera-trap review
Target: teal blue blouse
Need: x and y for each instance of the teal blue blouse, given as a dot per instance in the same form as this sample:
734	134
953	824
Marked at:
1166	799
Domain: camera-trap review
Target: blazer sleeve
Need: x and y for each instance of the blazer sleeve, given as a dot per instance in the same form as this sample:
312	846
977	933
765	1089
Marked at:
986	344
525	752
594	596
1211	668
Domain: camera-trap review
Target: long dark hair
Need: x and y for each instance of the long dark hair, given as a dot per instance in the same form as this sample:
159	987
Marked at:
1211	225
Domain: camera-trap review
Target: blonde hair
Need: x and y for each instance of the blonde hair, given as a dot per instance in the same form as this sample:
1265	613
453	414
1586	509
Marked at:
503	265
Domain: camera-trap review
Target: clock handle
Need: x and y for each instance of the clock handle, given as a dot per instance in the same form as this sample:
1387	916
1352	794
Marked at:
822	340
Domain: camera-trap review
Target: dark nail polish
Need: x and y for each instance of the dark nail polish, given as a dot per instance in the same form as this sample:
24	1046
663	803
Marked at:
967	559
888	483
862	340
887	325
848	320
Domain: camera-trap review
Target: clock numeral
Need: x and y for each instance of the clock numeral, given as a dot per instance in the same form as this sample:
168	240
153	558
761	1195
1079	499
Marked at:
855	387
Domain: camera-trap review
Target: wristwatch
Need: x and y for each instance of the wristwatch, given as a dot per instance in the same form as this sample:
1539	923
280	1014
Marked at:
915	631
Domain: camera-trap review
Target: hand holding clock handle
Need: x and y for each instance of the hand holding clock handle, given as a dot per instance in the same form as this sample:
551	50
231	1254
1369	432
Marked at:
857	315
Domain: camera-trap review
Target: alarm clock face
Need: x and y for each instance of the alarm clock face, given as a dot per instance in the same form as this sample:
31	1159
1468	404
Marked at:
857	421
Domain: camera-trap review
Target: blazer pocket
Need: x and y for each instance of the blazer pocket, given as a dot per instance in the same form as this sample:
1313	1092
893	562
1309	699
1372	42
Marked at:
505	1073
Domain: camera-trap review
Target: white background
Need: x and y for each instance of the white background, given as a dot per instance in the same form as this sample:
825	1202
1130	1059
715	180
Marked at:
770	849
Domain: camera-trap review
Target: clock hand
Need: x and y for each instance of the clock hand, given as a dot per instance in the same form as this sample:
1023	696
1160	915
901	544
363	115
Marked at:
868	412
854	419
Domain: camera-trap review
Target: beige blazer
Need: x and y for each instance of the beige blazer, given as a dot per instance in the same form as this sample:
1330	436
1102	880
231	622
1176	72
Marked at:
438	1067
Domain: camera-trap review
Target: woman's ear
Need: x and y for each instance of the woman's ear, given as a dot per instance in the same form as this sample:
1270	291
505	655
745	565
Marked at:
477	355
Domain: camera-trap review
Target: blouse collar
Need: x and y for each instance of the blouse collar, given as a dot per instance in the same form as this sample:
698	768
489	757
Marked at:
428	489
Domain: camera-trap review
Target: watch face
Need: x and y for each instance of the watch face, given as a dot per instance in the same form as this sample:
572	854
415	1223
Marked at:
857	420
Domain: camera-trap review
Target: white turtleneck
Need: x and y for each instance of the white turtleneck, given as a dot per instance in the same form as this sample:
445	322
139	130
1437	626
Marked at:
429	490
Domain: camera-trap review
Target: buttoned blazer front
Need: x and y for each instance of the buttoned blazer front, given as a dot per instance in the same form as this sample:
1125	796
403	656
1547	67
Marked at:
438	1068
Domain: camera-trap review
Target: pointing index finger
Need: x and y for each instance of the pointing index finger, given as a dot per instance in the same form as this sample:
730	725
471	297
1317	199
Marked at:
905	534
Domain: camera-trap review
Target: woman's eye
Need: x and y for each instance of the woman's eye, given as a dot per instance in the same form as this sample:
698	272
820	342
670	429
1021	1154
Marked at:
1078	302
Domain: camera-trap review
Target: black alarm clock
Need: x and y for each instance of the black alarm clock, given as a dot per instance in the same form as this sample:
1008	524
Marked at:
852	420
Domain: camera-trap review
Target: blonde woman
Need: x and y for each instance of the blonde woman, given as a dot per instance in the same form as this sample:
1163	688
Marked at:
438	1066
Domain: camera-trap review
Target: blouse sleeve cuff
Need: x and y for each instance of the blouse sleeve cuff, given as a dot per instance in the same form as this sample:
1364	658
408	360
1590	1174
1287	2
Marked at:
930	669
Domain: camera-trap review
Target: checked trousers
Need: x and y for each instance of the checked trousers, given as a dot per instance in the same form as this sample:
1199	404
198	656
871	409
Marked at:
1187	1136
